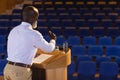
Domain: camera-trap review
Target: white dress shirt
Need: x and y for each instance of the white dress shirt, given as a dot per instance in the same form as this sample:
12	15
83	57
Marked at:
23	43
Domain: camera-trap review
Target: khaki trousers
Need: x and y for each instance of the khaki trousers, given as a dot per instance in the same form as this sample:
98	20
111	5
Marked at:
13	72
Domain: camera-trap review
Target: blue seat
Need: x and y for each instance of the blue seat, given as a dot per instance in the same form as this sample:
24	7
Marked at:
108	71
73	40
83	31
113	50
113	31
2	65
106	23
117	41
105	41
51	16
88	16
89	40
16	16
47	38
93	22
43	30
78	50
66	23
42	23
117	22
63	15
79	22
57	30
60	40
15	23
71	70
98	31
2	39
70	31
54	23
4	30
5	23
17	11
86	70
95	50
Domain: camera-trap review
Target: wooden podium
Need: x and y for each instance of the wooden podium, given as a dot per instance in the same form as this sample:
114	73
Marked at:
53	68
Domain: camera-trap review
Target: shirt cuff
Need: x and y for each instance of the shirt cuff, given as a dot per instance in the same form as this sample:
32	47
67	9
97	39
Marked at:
52	41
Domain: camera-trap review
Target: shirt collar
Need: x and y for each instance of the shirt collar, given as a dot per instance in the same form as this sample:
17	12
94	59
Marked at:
27	24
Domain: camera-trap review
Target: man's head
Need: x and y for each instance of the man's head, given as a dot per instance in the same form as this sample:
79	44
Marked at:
30	14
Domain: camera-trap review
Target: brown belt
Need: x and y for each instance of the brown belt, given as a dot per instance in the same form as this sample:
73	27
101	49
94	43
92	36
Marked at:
19	64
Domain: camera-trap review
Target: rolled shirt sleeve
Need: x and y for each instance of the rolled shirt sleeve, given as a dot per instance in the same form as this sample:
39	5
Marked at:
41	43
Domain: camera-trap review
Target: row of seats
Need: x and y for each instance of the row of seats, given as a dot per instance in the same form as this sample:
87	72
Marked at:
87	71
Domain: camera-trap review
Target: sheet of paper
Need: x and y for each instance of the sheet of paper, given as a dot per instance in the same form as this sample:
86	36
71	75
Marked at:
41	58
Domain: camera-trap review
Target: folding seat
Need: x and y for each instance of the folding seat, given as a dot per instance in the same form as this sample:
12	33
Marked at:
101	59
2	65
100	15
113	15
89	40
74	16
63	16
73	40
104	41
41	15
79	22
4	31
69	4
15	23
98	31
57	30
88	15
83	10
54	23
113	31
5	17
50	10
95	10
43	30
107	10
108	71
60	40
70	31
51	16
61	10
106	23
78	50
71	71
117	9
42	23
58	4
83	31
66	23
113	51
86	70
93	23
16	16
117	41
2	39
117	22
95	50
17	11
4	23
72	10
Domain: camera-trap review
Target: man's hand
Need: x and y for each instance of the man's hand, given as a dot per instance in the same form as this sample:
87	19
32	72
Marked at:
52	35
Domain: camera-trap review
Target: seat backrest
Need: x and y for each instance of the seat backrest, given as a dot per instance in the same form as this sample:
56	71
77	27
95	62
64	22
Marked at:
108	71
72	40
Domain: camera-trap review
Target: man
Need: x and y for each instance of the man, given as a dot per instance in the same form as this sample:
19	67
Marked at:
22	46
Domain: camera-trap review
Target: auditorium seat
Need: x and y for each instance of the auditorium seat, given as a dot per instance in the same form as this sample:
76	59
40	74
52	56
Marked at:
54	23
95	50
86	70
106	23
113	32
60	40
108	71
93	22
98	31
89	40
73	40
83	31
2	65
117	41
51	16
104	41
2	39
78	50
79	22
70	31
42	23
57	30
66	23
43	30
88	15
113	51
